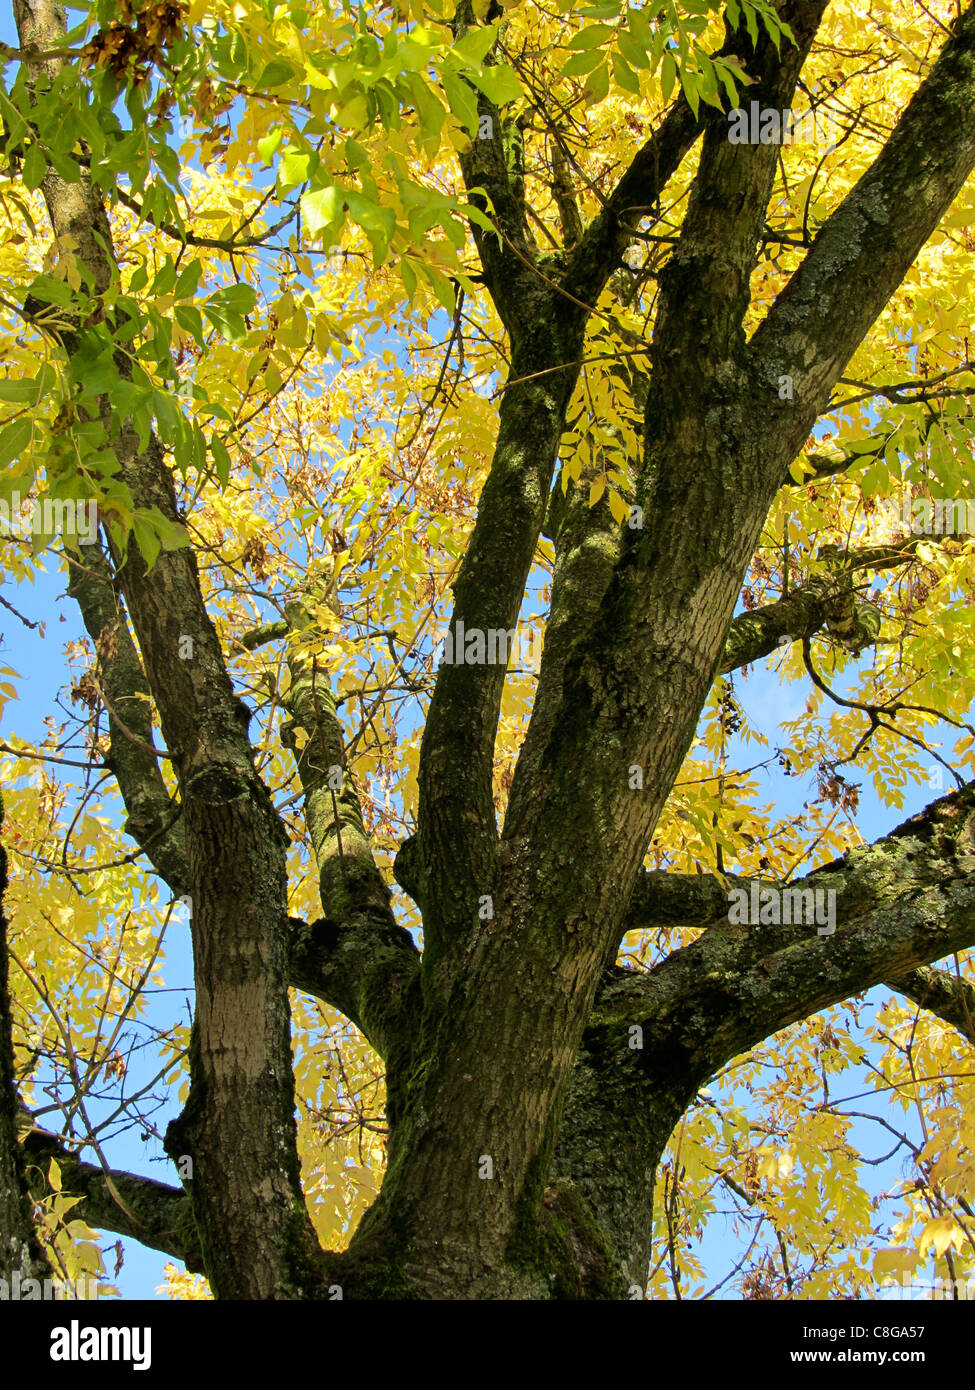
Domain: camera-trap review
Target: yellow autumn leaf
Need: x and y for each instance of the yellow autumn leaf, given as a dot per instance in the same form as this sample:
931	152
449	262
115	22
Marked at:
943	1233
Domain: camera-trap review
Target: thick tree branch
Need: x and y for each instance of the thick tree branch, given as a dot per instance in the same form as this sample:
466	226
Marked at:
364	967
863	251
152	814
654	1039
637	194
705	286
457	832
949	997
613	1128
822	602
358	957
825	601
900	903
508	260
564	195
156	1215
349	879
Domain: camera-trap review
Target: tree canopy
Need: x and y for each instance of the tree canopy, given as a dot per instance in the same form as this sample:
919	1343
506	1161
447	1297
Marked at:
508	470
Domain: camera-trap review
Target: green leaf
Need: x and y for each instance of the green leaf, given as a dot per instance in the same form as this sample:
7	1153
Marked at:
323	208
624	75
165	280
408	276
146	538
709	82
639	22
190	320
165	534
139	280
226	308
442	287
634	53
297	166
267	146
230	325
68	168
430	111
23	392
23	209
14	438
581	63
278	72
593	37
168	162
476	43
597	84
690	83
168	416
727	75
50	291
221	459
461	100
35	167
377	222
93	367
668	76
499	84
238	299
189	278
